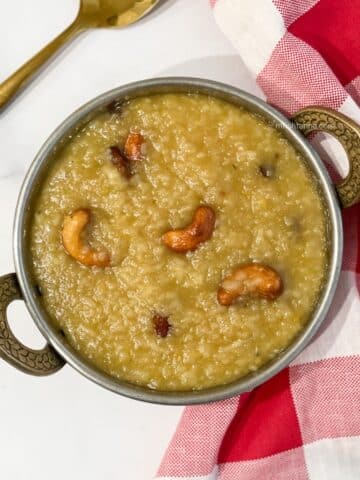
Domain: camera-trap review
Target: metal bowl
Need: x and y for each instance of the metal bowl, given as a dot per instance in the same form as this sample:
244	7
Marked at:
21	285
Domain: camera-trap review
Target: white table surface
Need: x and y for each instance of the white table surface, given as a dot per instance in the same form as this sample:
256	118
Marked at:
64	426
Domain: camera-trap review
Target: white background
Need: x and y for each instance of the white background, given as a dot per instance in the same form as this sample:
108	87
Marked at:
65	427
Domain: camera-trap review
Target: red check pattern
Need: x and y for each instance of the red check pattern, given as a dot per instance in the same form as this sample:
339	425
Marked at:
267	409
303	424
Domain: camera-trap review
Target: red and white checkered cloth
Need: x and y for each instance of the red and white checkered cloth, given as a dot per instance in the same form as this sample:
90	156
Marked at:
305	422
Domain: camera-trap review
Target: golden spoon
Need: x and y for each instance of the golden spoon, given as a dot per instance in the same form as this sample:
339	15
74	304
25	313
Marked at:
92	14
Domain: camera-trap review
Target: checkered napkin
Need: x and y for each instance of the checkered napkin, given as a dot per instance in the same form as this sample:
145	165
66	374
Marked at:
305	422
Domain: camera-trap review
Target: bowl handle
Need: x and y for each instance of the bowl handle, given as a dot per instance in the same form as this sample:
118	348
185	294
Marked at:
34	362
347	132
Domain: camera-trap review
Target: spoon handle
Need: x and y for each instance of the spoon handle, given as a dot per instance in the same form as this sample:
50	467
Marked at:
24	74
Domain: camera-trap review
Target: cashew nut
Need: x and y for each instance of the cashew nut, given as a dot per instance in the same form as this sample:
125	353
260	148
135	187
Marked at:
73	227
135	146
251	280
189	238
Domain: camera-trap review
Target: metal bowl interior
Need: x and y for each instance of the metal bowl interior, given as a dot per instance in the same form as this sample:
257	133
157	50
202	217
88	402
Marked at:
46	157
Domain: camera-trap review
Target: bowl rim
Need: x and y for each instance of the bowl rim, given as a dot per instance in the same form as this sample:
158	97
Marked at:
190	85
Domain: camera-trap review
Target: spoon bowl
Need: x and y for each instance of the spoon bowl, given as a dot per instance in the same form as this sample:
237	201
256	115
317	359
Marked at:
113	13
92	14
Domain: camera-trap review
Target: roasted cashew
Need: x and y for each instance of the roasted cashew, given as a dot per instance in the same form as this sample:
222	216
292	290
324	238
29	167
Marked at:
73	227
190	238
135	146
251	280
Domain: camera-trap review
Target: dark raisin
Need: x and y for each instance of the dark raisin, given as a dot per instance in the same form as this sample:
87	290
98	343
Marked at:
121	162
38	290
161	325
115	107
267	170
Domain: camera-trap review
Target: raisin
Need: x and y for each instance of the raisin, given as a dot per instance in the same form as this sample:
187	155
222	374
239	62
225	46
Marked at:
161	325
121	162
115	107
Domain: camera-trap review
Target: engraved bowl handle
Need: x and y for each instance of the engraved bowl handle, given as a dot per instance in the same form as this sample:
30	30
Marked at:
35	362
348	133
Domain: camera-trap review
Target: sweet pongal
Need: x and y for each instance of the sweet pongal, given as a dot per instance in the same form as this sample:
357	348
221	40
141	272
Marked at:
179	242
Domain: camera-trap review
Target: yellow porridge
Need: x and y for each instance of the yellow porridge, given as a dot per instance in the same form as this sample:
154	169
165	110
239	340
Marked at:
179	242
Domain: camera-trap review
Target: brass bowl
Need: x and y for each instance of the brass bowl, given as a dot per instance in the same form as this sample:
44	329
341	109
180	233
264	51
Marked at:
21	284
